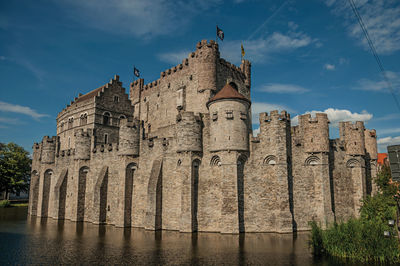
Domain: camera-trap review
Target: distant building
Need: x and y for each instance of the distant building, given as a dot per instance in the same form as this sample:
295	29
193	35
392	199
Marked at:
178	153
382	160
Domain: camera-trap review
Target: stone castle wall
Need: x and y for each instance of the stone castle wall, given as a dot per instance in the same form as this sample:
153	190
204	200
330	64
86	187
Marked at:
179	162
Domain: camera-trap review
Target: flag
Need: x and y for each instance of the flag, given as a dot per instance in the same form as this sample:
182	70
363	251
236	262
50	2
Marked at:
136	72
220	34
243	53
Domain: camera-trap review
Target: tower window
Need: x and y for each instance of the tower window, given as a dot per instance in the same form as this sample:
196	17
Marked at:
106	118
116	99
105	138
215	116
243	115
229	114
233	85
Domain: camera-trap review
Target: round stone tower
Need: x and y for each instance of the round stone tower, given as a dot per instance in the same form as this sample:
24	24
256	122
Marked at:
206	56
129	137
48	149
353	137
82	145
188	131
315	132
229	112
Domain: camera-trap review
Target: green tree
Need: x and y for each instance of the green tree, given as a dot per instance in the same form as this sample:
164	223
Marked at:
15	167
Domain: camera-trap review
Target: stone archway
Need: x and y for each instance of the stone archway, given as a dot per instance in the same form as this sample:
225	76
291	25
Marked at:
46	192
129	175
80	211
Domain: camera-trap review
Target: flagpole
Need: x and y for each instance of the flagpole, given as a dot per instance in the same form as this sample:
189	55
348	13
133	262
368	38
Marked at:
216	34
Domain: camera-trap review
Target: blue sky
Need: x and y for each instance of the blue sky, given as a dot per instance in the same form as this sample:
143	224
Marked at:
306	56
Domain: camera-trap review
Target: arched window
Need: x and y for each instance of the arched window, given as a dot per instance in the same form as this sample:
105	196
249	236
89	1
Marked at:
83	120
233	85
215	161
120	118
106	118
70	122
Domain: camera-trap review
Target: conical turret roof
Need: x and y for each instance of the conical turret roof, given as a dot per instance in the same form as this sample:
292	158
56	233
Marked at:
227	92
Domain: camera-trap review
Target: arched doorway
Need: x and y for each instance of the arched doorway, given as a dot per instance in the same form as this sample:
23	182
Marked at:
195	193
34	192
129	173
46	192
240	191
80	212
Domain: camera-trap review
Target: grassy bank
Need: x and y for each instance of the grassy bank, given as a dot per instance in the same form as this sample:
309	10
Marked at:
8	204
363	239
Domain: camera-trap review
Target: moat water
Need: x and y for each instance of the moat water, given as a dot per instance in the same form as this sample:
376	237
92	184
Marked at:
27	240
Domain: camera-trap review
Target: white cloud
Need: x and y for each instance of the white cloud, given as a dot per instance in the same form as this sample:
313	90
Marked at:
14	108
174	57
381	19
141	18
329	67
337	115
386	131
384	142
261	107
282	88
379	85
6	120
258	50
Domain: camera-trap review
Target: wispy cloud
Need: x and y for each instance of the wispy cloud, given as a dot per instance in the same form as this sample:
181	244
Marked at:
379	85
329	67
140	18
381	19
174	57
282	88
12	121
15	108
259	49
384	142
337	115
260	107
386	131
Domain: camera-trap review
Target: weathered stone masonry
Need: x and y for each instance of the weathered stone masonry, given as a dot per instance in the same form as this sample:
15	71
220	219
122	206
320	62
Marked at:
178	153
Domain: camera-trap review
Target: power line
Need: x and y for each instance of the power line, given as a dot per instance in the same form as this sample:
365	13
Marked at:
373	50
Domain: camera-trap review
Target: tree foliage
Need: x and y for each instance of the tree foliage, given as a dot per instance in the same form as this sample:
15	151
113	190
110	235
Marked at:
15	167
362	239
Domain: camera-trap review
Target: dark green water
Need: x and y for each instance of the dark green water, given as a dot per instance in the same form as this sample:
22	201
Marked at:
27	240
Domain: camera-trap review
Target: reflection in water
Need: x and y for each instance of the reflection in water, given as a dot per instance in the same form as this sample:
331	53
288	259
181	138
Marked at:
47	241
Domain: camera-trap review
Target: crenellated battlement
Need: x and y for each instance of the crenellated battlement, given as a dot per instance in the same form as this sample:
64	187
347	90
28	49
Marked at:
83	133
313	132
274	115
353	136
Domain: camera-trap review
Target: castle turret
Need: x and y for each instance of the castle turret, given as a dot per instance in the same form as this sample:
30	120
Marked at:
353	137
229	112
370	144
315	132
189	132
246	69
207	54
48	149
82	144
129	137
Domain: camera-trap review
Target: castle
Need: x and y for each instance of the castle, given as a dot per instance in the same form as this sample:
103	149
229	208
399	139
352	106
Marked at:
179	154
